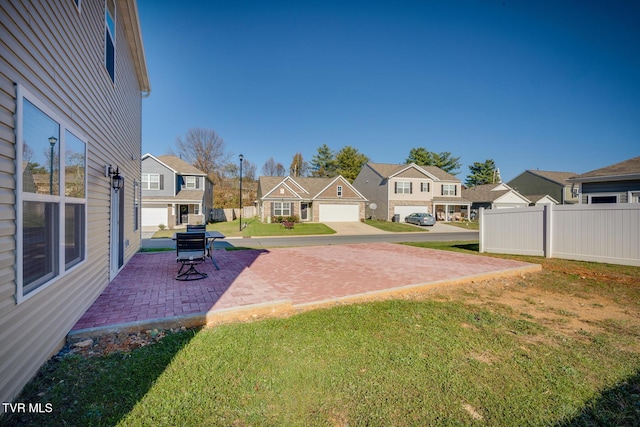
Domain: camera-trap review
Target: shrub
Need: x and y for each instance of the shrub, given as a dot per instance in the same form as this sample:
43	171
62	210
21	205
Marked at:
288	224
280	219
161	226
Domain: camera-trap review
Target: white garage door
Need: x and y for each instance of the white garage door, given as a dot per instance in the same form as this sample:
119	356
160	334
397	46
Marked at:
339	213
154	216
406	210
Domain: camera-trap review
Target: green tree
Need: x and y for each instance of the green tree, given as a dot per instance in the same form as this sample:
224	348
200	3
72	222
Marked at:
444	160
349	161
482	173
323	163
420	156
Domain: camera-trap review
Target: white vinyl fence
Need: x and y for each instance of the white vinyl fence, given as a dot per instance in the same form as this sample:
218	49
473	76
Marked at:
601	233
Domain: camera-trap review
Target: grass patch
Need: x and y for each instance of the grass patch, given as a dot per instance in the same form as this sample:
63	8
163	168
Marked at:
255	228
156	249
380	364
394	227
468	247
467	225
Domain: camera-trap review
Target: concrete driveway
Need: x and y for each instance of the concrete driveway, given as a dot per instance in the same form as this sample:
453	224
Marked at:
354	228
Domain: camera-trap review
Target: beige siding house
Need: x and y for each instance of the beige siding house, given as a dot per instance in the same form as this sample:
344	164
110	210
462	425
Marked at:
403	189
71	87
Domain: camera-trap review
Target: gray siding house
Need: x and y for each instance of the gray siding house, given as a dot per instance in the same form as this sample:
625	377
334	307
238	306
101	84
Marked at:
534	184
617	183
174	193
402	189
71	88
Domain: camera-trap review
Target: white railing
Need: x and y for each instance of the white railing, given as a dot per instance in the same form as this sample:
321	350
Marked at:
602	233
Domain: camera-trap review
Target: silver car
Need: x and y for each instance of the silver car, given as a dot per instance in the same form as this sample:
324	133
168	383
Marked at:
420	219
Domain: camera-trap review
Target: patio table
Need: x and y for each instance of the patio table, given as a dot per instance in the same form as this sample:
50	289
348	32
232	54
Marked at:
211	237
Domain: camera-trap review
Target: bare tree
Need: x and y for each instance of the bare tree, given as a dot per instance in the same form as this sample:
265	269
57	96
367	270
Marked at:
299	167
204	149
271	168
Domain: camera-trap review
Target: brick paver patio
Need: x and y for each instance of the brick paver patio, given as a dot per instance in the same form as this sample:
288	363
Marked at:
146	289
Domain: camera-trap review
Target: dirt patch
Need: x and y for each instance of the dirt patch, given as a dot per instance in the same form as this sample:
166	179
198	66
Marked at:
572	298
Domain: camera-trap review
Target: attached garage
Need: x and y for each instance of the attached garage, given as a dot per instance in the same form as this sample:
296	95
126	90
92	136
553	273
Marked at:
407	210
339	213
154	216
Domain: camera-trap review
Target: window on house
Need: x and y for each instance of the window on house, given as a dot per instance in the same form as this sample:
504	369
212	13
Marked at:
190	182
282	208
424	187
449	190
403	187
110	38
604	199
150	181
339	190
51	206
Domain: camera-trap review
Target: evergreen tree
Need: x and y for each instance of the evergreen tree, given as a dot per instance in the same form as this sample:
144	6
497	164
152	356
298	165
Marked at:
445	161
482	173
349	161
323	163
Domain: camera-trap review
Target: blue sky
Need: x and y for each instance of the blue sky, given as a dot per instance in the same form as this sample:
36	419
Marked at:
549	85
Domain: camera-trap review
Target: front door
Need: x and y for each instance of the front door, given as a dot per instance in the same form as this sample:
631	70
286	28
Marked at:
304	208
184	214
116	250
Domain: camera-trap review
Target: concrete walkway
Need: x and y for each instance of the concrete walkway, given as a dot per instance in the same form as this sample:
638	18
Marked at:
273	282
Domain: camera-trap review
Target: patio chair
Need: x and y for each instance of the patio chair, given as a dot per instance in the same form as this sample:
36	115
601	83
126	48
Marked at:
200	228
191	250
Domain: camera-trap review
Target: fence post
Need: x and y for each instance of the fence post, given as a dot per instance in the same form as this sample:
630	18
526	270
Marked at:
547	229
481	234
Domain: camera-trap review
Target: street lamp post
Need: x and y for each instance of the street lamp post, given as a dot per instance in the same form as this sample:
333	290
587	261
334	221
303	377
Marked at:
241	159
52	143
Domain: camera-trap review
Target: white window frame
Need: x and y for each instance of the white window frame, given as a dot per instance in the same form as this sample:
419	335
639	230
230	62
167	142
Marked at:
339	190
403	187
60	199
425	187
449	190
111	33
281	208
146	183
633	197
190	182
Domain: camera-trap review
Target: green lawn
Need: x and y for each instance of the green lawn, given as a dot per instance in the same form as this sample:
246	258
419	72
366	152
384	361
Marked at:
455	359
256	228
395	227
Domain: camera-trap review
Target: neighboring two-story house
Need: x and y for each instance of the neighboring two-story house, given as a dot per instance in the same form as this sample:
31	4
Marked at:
617	183
174	193
535	184
310	199
402	189
73	77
